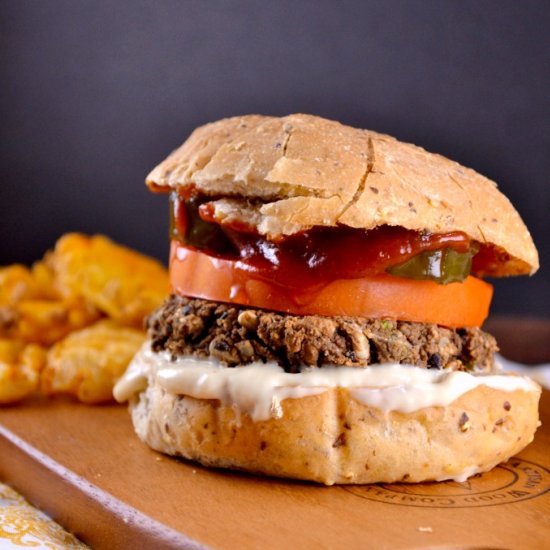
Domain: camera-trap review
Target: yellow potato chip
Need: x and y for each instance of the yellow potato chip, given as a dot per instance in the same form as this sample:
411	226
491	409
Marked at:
87	363
120	282
20	367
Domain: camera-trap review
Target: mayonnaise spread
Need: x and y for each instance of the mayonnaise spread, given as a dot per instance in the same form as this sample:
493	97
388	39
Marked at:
259	389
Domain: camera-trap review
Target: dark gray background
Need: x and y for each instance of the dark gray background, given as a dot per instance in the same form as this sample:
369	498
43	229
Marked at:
94	94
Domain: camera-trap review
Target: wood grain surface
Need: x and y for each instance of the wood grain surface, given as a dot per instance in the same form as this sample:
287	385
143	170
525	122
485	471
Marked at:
86	468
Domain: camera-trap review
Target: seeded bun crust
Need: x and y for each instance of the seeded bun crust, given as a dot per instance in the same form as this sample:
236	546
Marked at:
285	175
331	438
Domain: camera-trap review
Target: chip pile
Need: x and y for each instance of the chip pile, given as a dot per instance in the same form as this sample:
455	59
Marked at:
71	323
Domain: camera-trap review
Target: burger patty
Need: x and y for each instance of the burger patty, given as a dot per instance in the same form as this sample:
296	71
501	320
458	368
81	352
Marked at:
239	335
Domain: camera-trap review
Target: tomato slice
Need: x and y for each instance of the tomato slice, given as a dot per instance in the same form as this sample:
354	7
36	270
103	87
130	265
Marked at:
195	274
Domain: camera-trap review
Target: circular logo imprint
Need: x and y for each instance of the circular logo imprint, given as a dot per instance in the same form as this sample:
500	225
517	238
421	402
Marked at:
513	481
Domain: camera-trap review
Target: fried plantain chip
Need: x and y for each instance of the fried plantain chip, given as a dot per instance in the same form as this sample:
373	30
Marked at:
31	309
44	278
45	321
83	280
20	367
16	284
122	283
87	363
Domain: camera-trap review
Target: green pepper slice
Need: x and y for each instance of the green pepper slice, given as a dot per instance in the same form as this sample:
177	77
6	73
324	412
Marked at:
442	266
192	230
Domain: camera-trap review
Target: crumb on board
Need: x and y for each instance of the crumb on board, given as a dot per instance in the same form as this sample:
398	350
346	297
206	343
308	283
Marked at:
425	529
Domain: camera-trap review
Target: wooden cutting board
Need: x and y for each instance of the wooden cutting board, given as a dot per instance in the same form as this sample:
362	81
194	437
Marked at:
87	469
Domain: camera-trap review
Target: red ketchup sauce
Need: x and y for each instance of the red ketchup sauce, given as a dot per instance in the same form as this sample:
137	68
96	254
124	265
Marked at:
310	259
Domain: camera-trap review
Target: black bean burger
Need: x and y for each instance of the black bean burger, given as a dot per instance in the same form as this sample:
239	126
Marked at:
327	298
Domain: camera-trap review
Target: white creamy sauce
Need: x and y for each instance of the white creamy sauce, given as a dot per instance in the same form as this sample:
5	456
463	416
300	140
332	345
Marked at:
469	471
259	389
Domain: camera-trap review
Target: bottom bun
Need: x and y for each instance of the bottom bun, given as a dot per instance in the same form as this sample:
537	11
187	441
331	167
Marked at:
332	438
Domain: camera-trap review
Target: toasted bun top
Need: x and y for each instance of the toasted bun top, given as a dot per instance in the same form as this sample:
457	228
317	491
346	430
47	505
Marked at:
285	175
